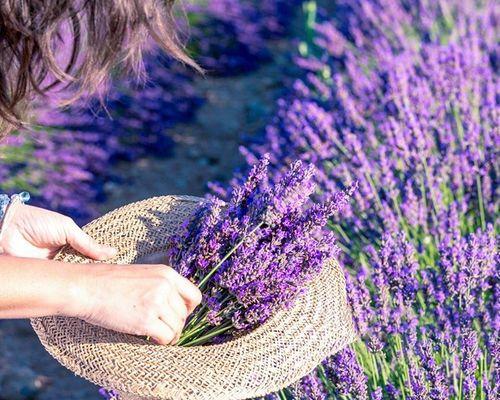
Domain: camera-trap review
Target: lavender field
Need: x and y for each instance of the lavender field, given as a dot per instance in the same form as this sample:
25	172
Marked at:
394	101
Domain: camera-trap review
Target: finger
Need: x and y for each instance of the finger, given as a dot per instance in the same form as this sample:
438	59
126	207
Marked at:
179	308
83	243
176	324
160	332
178	305
188	291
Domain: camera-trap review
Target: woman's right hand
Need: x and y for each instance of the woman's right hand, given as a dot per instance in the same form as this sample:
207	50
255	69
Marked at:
144	300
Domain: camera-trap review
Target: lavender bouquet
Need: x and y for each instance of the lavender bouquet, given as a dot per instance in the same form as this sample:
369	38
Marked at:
255	254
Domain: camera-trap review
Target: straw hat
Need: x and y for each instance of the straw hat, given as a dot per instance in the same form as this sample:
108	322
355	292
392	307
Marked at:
273	356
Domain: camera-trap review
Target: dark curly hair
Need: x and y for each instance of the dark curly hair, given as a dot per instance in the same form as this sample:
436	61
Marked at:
101	35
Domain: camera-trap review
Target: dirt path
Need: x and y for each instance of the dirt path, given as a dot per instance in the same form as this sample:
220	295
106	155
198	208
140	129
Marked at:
206	150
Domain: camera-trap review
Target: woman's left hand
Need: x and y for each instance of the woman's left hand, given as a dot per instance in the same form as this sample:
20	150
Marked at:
38	233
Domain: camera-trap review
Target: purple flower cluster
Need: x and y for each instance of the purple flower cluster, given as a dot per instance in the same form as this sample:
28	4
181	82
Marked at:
140	116
345	374
61	169
108	394
310	387
255	253
403	97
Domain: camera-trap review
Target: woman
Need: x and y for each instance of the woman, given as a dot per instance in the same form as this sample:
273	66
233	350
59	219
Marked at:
104	36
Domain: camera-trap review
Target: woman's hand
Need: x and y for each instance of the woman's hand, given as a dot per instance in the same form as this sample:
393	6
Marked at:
143	300
37	233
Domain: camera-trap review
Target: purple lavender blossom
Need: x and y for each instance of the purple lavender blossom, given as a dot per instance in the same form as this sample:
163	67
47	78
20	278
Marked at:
59	168
435	372
418	384
309	387
108	394
469	362
346	374
376	394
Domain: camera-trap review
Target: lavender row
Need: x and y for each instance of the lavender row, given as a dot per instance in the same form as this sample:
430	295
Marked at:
402	97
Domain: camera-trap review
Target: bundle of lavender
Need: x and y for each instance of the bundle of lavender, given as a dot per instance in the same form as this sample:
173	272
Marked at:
254	254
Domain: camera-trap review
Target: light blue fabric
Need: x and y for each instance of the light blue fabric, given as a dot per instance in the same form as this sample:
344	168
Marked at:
5	200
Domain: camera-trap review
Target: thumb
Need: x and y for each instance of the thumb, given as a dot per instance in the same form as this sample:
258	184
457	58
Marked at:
83	243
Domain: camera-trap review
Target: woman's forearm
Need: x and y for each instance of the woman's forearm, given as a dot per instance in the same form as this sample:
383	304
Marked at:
32	287
148	300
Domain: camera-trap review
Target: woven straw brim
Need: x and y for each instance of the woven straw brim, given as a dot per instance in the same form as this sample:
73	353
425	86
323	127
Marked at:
273	356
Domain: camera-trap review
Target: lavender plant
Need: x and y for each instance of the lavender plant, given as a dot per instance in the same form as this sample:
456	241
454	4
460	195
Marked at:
405	101
254	254
61	169
141	115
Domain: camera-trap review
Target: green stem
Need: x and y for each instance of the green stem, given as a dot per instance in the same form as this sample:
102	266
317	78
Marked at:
480	383
310	10
282	395
453	369
460	384
324	379
374	190
339	229
344	248
481	202
402	386
458	122
383	367
374	367
421	300
402	220
197	317
199	321
189	334
206	338
404	364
